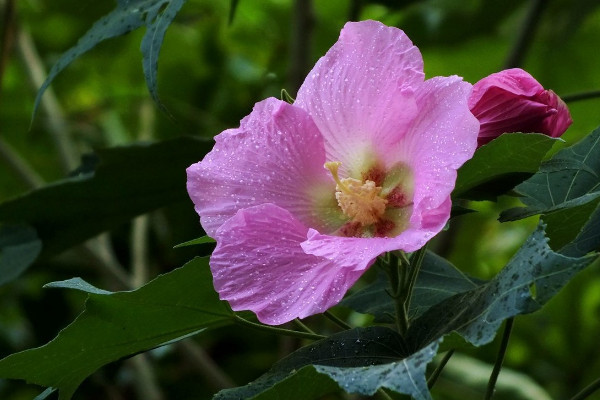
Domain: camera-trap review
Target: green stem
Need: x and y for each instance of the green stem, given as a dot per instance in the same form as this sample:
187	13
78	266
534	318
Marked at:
570	98
500	359
277	331
338	321
438	370
304	327
415	266
587	391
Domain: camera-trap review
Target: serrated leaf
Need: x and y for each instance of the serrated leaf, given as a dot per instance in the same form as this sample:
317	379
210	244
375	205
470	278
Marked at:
193	242
360	360
121	324
501	164
478	313
570	179
19	247
127	181
437	280
129	15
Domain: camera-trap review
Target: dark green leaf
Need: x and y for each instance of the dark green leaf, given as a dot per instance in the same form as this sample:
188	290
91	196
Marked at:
159	16
156	15
121	324
437	280
360	360
588	239
528	281
501	164
570	179
128	181
563	226
193	242
19	247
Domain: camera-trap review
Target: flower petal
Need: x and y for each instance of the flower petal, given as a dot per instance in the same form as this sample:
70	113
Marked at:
360	94
513	101
259	265
442	138
275	156
350	252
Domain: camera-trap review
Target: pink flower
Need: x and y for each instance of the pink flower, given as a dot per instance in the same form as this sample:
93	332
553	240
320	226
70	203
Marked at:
302	198
513	101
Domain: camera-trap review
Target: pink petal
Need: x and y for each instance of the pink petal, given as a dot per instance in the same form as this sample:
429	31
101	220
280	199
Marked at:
259	265
353	253
275	156
360	94
513	101
442	138
515	80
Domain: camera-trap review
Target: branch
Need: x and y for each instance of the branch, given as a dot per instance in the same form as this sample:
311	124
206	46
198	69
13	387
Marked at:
58	129
526	34
302	28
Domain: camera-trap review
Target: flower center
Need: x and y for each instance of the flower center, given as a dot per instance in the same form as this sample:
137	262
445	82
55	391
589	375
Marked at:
361	201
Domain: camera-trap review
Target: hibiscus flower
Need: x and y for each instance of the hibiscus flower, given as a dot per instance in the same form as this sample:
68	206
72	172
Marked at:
302	198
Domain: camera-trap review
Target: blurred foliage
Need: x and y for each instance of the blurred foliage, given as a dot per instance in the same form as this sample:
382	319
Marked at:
210	74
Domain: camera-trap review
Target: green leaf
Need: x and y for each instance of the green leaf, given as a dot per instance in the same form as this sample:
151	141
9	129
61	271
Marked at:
77	284
193	242
533	276
111	187
360	360
501	164
588	238
563	227
19	247
437	280
570	179
117	325
129	15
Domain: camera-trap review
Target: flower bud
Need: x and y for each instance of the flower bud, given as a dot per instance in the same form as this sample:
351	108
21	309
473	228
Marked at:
513	101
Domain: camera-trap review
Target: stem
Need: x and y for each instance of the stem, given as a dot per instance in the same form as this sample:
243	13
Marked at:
277	331
302	26
355	9
196	356
570	98
8	37
338	321
18	164
139	251
384	395
57	127
415	266
302	326
145	384
438	370
526	34
587	391
500	359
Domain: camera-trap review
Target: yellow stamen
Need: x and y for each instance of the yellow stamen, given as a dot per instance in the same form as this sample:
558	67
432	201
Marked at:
358	200
333	166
